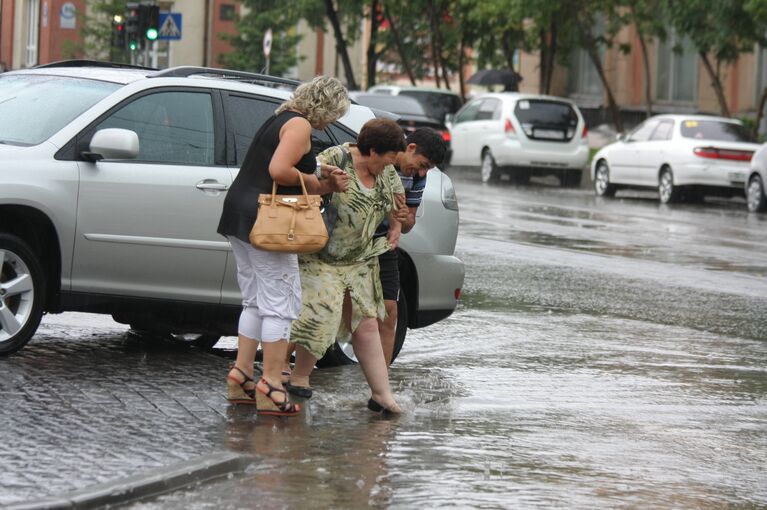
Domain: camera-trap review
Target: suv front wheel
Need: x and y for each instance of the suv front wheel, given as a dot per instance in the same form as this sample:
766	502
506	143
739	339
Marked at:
22	293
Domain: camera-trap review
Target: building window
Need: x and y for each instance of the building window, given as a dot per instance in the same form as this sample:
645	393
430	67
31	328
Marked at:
677	74
227	12
33	24
583	78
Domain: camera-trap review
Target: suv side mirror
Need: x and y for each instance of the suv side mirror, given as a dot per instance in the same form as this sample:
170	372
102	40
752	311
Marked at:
621	137
112	143
449	118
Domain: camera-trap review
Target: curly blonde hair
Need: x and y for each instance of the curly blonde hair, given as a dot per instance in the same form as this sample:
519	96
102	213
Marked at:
322	100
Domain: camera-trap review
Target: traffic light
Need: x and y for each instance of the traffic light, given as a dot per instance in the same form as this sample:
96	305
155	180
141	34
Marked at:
118	32
149	21
132	27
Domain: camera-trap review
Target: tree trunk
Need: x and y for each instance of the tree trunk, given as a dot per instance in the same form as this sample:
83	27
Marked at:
716	84
590	45
461	63
341	49
542	59
549	42
435	49
760	111
371	52
400	48
647	80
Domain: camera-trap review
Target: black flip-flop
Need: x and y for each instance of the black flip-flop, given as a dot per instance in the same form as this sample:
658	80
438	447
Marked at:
299	391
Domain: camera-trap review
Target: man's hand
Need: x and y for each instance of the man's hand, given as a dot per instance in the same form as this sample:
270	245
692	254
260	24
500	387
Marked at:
401	213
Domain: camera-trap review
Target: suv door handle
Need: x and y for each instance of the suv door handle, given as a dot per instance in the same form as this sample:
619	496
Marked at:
212	185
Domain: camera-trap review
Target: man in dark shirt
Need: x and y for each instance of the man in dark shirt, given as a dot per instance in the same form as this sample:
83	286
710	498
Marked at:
425	149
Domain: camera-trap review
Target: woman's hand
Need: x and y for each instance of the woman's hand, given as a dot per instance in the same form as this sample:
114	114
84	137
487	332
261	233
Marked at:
338	180
395	231
401	213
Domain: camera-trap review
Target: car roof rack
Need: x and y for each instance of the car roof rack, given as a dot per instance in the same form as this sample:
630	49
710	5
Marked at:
92	63
227	74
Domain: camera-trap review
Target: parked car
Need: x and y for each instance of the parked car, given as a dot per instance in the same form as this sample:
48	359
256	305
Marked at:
437	102
755	182
409	113
112	180
682	156
520	135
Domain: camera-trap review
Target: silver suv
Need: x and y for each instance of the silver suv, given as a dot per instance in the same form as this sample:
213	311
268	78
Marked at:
112	180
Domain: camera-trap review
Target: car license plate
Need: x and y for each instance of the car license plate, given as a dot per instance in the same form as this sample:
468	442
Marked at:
737	176
550	134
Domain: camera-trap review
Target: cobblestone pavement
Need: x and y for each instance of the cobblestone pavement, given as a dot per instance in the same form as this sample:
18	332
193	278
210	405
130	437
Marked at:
85	405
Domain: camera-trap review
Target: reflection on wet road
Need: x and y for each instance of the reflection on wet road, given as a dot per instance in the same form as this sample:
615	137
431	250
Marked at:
606	354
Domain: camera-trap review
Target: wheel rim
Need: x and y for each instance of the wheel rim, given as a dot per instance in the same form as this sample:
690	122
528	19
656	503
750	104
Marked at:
666	186
487	167
17	294
603	179
755	193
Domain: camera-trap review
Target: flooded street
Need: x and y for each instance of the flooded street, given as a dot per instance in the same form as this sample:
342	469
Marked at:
606	354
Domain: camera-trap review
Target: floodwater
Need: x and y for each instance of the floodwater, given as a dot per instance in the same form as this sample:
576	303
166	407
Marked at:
606	354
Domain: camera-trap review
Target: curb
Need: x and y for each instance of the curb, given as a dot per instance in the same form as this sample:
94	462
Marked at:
142	485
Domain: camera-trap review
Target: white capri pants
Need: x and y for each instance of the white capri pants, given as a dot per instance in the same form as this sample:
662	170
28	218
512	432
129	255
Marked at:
271	291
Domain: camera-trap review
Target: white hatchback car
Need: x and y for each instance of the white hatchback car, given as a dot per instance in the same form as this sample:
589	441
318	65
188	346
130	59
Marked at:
520	135
679	155
755	191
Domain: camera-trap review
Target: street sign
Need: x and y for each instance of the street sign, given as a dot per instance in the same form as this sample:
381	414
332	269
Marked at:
268	42
170	26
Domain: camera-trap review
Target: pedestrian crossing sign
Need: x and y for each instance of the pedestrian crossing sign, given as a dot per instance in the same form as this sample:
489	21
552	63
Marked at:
170	26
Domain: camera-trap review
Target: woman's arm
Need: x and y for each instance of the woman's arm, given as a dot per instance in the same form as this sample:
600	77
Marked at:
295	141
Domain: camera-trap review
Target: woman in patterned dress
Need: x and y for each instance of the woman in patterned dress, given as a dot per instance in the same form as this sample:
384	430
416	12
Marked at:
340	285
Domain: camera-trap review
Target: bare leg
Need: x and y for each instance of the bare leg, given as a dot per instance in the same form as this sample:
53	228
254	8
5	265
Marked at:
367	347
286	366
303	367
387	328
246	355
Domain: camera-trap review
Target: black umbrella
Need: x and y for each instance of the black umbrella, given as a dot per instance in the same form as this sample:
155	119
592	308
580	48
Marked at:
509	79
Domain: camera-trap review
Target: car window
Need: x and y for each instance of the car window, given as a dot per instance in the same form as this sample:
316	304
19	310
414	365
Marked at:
489	109
642	132
715	130
544	112
663	131
437	104
34	107
468	112
172	127
247	115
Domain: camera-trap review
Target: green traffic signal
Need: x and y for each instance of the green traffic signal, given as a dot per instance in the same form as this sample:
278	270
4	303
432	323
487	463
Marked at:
133	45
151	34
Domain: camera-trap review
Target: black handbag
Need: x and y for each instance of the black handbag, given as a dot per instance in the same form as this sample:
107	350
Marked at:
328	210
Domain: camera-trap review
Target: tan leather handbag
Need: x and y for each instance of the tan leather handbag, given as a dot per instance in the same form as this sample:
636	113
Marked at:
289	223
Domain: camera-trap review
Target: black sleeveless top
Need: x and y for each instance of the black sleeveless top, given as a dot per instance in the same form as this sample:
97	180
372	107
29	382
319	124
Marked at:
241	202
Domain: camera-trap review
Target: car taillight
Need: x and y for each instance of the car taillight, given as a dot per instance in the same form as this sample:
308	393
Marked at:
445	135
729	154
508	127
585	131
457	294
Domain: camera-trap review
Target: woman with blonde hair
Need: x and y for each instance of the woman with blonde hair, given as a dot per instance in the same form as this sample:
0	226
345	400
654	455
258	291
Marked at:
269	281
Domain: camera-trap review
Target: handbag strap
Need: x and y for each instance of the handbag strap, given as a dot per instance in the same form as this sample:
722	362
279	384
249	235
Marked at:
303	187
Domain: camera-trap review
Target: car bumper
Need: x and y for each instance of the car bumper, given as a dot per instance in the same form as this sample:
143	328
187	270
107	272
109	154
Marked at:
723	175
439	277
512	153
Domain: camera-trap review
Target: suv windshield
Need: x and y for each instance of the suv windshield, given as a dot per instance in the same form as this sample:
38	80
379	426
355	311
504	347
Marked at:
716	130
392	104
34	107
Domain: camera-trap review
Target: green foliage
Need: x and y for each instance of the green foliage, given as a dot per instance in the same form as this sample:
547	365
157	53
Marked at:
248	55
96	42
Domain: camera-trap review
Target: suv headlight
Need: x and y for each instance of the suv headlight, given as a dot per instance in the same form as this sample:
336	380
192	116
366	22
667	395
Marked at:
449	198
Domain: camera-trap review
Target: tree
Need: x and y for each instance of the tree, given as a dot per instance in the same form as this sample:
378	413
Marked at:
248	54
647	18
720	32
757	10
96	32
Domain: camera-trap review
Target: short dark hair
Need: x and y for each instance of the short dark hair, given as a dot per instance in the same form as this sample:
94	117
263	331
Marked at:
429	143
382	135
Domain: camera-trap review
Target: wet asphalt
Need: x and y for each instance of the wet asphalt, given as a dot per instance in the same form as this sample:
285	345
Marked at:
605	354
